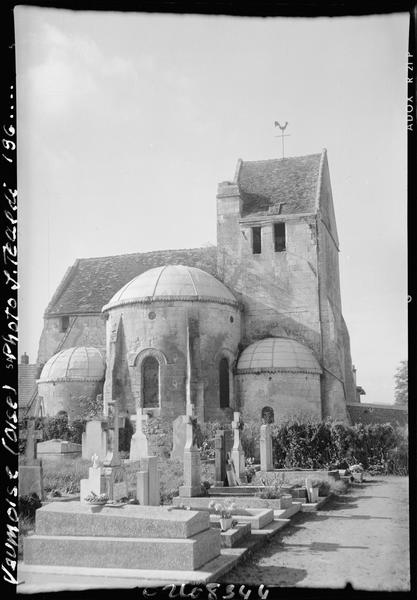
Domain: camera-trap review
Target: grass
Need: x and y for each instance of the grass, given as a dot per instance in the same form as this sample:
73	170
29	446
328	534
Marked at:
26	524
65	477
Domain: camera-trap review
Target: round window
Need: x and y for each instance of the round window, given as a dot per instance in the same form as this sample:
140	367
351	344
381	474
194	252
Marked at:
152	315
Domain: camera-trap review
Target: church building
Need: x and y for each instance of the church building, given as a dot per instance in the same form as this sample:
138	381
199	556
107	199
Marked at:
254	324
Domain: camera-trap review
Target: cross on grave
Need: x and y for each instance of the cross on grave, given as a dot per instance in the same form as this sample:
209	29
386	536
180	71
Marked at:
139	445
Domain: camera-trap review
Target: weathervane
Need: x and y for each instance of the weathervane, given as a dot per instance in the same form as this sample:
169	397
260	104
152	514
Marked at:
283	135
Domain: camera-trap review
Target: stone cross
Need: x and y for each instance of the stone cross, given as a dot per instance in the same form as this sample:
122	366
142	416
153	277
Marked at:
238	456
139	445
112	456
266	448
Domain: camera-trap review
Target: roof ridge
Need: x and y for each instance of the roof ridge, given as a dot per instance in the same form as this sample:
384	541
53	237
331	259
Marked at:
147	252
281	159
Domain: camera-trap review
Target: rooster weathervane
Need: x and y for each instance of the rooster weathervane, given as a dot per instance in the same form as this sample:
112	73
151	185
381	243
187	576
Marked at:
282	135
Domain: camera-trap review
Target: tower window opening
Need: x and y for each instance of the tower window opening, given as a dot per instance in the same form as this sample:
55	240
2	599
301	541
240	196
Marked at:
224	383
279	237
64	323
256	240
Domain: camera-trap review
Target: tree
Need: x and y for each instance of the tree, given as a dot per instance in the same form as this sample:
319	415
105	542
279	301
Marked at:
401	383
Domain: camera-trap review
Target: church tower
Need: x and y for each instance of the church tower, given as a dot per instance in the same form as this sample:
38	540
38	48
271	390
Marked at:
277	249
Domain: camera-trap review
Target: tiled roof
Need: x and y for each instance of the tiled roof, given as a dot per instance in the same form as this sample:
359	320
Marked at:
170	282
277	353
90	283
26	383
366	413
266	183
73	364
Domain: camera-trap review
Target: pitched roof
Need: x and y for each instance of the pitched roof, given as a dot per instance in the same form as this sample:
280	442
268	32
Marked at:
266	183
368	413
90	283
27	375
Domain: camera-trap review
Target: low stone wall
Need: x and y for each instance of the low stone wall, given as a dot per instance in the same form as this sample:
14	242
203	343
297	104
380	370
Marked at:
290	476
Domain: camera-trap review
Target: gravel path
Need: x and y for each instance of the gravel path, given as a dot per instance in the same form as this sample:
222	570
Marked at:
361	538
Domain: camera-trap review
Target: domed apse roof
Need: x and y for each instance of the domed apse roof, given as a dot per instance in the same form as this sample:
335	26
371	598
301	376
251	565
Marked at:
173	282
277	354
74	364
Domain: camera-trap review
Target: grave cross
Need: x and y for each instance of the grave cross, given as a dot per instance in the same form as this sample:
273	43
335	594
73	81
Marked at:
282	135
139	446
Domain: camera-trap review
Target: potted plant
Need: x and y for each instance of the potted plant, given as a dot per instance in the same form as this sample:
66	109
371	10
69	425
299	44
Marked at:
225	511
356	472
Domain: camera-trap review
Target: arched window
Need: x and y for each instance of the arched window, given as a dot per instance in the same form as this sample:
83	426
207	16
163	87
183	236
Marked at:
267	415
224	383
150	382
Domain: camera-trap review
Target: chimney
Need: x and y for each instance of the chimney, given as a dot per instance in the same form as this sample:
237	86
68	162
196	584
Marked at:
24	359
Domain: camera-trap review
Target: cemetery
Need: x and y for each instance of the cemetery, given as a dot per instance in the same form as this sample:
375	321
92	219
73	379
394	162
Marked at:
118	526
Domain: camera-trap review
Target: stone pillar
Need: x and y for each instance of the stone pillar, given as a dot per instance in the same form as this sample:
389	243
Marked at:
112	456
192	463
139	445
149	465
238	457
219	458
266	448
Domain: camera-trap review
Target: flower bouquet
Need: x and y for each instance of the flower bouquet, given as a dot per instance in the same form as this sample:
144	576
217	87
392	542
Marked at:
225	511
96	500
356	472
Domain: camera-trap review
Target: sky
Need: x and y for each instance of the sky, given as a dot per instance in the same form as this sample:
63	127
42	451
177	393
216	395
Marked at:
127	122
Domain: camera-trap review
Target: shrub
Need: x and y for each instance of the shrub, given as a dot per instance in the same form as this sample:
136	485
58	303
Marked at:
28	505
313	444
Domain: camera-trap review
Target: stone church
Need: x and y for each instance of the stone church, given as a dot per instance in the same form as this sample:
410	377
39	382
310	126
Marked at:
254	324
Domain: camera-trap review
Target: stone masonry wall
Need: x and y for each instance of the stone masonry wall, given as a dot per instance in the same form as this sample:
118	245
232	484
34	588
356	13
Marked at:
86	330
279	290
288	394
160	330
70	396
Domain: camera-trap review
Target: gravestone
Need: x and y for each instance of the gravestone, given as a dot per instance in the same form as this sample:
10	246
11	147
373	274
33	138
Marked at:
147	491
111	475
31	472
223	444
178	438
237	454
266	448
192	462
94	440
